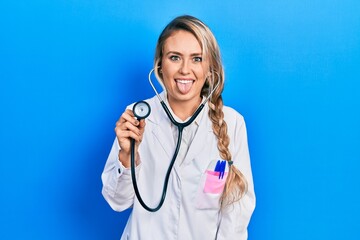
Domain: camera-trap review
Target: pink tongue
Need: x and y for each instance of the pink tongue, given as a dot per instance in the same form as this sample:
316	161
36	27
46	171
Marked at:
184	88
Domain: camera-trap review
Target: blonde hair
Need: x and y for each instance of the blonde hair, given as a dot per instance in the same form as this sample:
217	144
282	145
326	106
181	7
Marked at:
236	184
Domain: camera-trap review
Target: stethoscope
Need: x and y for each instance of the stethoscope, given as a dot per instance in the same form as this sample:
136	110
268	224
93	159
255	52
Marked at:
142	110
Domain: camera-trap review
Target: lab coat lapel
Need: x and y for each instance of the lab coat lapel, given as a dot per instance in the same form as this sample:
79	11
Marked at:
162	130
201	139
164	137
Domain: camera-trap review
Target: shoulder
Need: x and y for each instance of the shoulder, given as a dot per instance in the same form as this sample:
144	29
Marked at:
234	120
231	115
236	128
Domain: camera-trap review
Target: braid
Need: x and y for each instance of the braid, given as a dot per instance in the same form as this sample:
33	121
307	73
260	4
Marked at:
236	184
220	128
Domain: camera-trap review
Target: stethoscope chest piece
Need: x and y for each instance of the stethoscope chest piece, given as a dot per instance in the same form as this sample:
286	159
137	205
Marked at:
141	110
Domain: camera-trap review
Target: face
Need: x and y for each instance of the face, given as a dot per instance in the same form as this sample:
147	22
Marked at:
183	68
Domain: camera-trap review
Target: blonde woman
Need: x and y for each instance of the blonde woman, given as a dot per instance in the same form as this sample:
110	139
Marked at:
210	194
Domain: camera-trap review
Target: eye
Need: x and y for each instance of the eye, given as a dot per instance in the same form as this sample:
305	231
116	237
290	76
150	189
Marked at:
174	58
197	59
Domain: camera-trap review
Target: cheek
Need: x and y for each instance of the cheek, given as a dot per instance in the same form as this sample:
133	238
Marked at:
168	71
166	78
201	71
200	74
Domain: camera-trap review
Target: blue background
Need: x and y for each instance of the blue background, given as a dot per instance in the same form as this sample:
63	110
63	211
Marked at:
69	68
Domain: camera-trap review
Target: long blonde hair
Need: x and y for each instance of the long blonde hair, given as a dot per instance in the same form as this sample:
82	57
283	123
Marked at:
236	184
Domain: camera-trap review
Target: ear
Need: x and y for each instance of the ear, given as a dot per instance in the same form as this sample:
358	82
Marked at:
159	68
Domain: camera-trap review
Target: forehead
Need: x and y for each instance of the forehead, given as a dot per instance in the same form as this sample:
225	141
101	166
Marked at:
183	42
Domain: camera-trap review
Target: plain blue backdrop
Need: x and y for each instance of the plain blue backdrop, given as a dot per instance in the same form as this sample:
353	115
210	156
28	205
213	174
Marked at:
69	68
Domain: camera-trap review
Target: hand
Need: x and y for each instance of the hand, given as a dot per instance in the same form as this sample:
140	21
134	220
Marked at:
127	128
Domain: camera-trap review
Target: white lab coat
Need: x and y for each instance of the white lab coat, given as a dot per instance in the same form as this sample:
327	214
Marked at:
188	212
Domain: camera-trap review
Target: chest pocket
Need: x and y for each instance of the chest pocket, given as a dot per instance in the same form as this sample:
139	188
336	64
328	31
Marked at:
211	187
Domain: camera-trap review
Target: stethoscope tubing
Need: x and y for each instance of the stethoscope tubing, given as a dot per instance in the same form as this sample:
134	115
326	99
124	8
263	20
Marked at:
180	127
166	180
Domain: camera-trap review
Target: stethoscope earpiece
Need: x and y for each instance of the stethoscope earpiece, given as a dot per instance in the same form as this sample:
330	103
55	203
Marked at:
141	110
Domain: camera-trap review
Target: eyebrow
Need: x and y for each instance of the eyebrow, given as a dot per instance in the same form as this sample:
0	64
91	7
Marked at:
178	53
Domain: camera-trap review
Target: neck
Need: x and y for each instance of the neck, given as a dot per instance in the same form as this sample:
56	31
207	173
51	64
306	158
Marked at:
184	109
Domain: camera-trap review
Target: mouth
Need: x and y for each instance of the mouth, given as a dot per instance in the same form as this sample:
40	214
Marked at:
184	85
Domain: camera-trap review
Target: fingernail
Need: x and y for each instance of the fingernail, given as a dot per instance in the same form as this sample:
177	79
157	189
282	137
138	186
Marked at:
136	122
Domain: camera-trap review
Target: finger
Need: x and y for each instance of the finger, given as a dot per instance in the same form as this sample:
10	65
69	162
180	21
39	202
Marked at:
127	126
128	115
124	128
130	127
126	135
142	123
125	120
133	135
142	126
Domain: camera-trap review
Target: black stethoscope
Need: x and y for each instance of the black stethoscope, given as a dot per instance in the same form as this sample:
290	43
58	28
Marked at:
142	110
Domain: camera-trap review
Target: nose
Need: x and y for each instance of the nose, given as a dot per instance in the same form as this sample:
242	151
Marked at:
185	67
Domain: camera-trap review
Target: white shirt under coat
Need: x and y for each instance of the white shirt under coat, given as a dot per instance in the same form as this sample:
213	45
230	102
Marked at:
187	212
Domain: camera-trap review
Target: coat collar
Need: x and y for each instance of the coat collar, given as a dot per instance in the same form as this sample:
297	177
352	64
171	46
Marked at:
163	132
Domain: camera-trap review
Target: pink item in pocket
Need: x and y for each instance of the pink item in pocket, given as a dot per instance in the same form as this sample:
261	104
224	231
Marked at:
213	184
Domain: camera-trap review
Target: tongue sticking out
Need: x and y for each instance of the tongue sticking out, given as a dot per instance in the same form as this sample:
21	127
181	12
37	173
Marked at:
184	86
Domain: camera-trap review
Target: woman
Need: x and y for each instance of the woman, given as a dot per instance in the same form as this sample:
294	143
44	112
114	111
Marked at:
199	203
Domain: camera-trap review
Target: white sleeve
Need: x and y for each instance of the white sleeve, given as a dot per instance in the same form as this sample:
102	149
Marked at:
117	184
235	218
